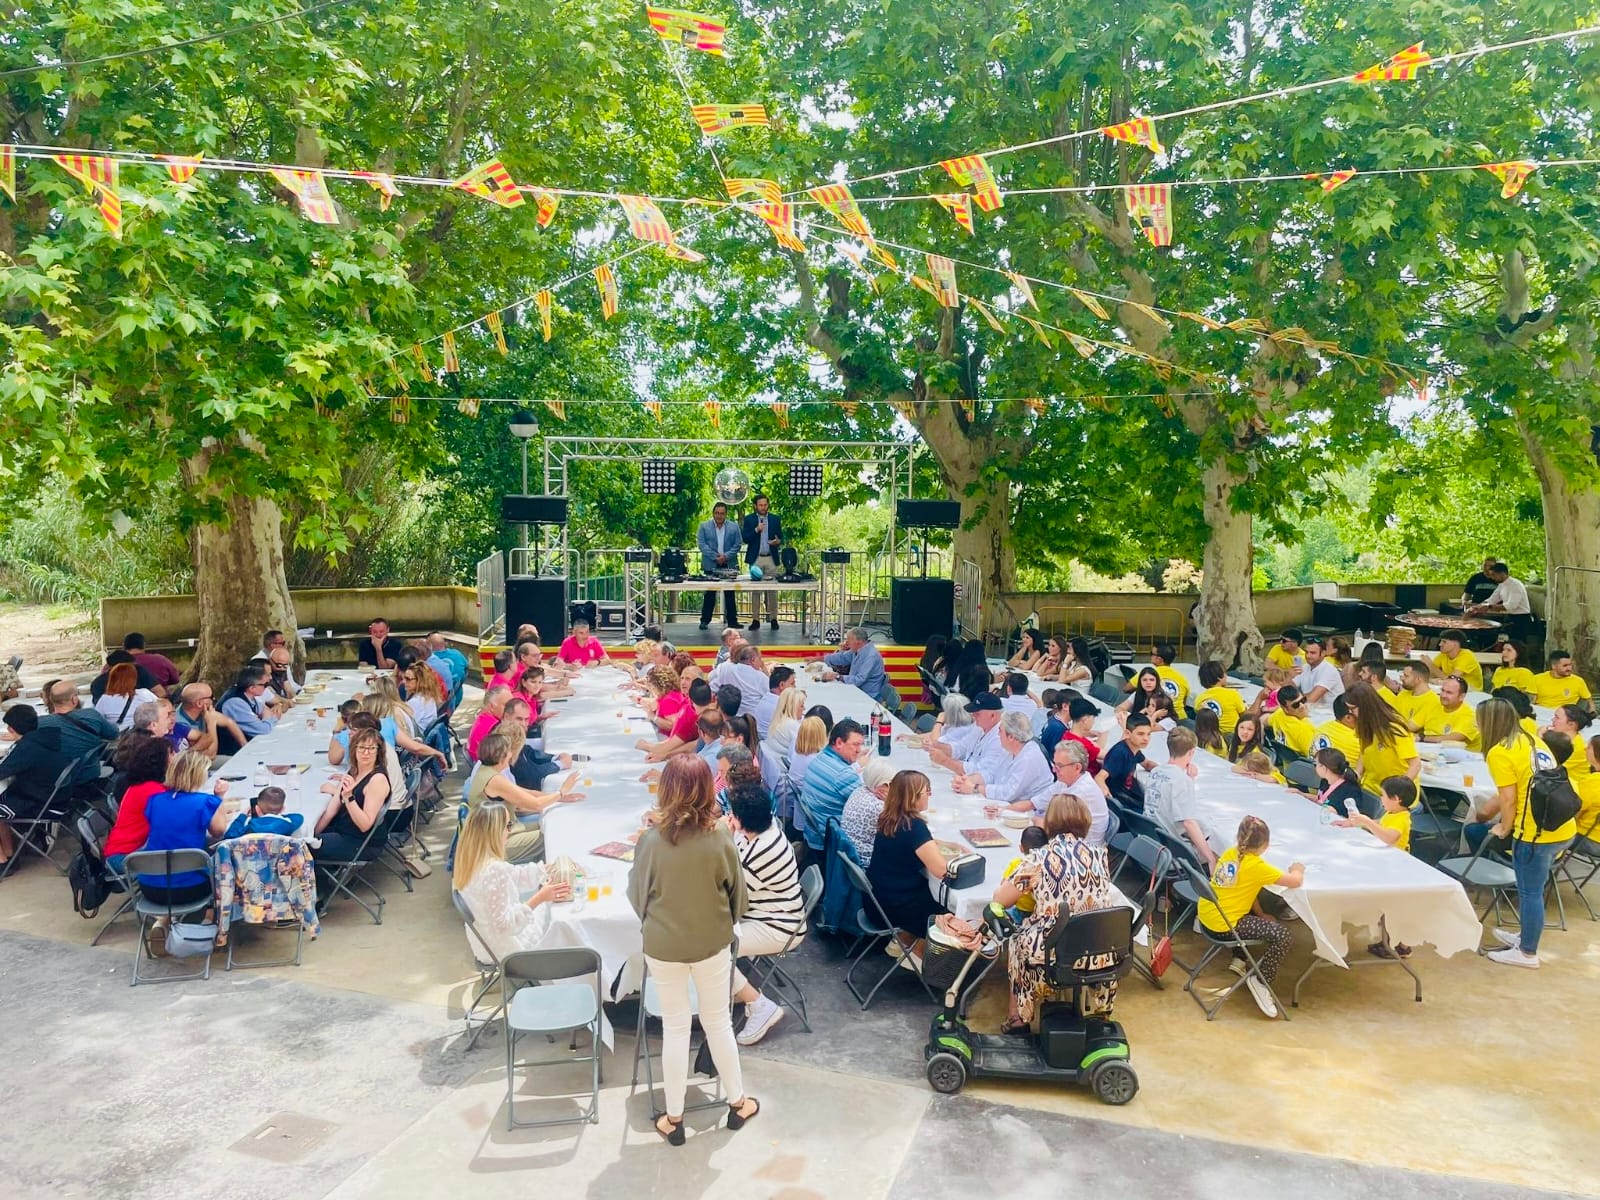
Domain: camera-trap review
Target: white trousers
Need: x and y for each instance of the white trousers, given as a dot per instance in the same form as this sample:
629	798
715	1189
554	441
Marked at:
711	978
757	938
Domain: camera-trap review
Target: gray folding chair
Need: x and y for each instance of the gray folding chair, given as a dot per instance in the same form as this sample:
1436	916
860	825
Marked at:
908	712
1485	872
344	875
877	930
889	697
275	846
538	997
33	834
1301	773
766	971
925	723
168	863
1438	821
122	883
1585	856
401	810
650	1009
1217	943
488	969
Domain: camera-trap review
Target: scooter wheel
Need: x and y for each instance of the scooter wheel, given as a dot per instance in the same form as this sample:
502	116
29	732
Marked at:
946	1073
1114	1082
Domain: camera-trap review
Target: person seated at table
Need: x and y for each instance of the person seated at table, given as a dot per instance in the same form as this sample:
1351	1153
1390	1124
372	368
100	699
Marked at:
505	663
122	695
1372	655
1454	722
932	660
1216	695
147	681
1055	653
1339	780
731	762
240	702
1454	659
973	676
1237	879
1339	732
1393	828
1287	655
744	673
1070	764
1014	695
1511	672
1245	738
779	681
1340	653
396	723
1387	747
1208	732
339	746
1571	720
1377	677
859	819
440	651
494	704
281	685
526	653
1068	875
981	751
810	740
708	737
1522	705
664	697
1022	780
143	775
1118	776
1289	721
646	651
1029	652
530	768
1142	691
1032	838
161	668
491	779
493	886
379	647
1173	802
774	917
1416	701
1588	788
265	815
1273	680
183	815
858	663
34	764
831	778
1320	681
953	729
785	724
1257	765
1077	669
1055	702
1560	685
356	802
425	694
1173	682
905	856
581	650
526	632
729	700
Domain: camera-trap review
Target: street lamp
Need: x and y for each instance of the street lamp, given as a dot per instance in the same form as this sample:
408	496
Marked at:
524	427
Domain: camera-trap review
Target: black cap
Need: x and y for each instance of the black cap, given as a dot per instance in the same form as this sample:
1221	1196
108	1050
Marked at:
985	702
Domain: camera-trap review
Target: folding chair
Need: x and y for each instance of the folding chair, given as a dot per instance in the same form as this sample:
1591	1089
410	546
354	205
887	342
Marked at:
1301	773
1160	872
122	883
1437	821
1481	871
488	969
908	712
400	829
1217	943
1585	851
765	971
537	998
876	931
244	855
33	834
168	863
650	1007
889	697
342	875
925	723
1106	693
1145	852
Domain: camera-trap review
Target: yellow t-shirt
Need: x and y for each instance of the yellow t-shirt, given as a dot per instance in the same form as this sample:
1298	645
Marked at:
1025	901
1588	819
1176	686
1389	698
1513	677
1513	766
1463	721
1225	702
1530	727
1577	763
1295	732
1465	664
1550	692
1400	820
1279	657
1337	736
1237	882
1379	762
1418	710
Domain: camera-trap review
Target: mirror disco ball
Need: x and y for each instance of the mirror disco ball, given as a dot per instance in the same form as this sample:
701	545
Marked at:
731	485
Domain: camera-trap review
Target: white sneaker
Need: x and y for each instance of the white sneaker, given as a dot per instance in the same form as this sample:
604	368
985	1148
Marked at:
1263	995
1505	937
893	948
761	1016
1515	958
1237	966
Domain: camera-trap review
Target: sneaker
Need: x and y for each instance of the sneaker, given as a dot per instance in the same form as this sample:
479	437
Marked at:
1512	941
1379	950
893	948
705	624
1263	995
1237	966
760	1017
1515	958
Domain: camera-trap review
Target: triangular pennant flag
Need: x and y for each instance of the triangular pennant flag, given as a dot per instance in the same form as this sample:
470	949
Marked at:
1149	313
542	302
8	171
382	184
400	409
779	217
836	198
1020	282
606	281
1402	66
719	118
1141	131
1150	208
1198	319
310	192
714	412
1334	179
400	380
984	311
906	410
181	166
645	219
497	331
970	170
959	206
322	410
883	256
558	409
1248	325
967	407
944	279
97	174
687	29
849	407
683	253
780	410
1035	406
1091	303
548	202
1040	330
452	361
492	182
925	285
763	188
1512	175
468	406
653	407
421	357
1082	345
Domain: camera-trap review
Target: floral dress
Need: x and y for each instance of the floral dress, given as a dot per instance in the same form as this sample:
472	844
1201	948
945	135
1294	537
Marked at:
1073	877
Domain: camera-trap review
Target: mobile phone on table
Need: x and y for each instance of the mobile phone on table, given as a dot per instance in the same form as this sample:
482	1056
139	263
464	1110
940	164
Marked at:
579	757
1349	806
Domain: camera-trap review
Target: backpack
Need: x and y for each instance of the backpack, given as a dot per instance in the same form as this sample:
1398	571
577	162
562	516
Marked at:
1552	800
86	873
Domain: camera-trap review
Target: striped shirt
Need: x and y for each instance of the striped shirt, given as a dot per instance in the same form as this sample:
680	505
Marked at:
771	880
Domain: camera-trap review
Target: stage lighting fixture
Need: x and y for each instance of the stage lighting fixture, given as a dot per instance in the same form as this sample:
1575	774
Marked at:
805	479
672	565
660	476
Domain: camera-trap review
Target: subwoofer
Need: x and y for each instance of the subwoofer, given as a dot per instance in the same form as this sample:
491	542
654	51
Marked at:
540	601
920	608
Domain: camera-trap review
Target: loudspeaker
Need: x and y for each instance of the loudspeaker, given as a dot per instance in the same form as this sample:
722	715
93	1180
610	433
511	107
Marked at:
534	510
928	514
539	601
920	608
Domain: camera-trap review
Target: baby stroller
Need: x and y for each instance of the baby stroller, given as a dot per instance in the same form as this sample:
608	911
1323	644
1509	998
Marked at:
1069	1047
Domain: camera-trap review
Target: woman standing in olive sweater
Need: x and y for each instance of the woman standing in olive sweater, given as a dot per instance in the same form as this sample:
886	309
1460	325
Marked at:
688	889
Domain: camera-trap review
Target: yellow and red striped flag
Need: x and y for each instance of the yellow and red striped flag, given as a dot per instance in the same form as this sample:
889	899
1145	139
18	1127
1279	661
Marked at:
985	312
310	192
1404	65
1334	179
836	198
452	360
1035	405
1020	282
1149	313
1081	344
925	285
968	409
468	406
400	381
687	29
421	358
97	174
714	412
764	188
547	202
779	217
780	410
1141	131
719	118
1201	319
1512	175
653	407
682	253
542	302
959	206
382	184
181	166
400	409
606	280
8	172
1039	330
970	170
492	182
1150	208
944	279
645	219
849	407
497	331
1091	303
558	409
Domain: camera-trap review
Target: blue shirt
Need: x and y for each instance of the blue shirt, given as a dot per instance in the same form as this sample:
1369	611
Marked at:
386	729
179	821
244	715
862	668
829	782
282	824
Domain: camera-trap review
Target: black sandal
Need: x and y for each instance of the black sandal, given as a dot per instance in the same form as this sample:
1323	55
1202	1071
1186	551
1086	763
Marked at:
735	1121
1014	1027
672	1136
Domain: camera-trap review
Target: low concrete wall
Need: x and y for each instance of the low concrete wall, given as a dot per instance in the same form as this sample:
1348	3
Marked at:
1146	616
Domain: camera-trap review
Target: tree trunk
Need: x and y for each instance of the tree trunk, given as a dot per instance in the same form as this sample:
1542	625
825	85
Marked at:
1226	618
241	588
1572	558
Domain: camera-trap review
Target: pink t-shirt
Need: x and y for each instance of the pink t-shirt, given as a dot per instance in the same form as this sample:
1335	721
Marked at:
671	704
687	727
480	729
590	652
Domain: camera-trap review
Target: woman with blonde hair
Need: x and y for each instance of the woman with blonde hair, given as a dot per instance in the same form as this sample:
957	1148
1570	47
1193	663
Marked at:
786	723
395	720
493	886
491	779
810	738
687	886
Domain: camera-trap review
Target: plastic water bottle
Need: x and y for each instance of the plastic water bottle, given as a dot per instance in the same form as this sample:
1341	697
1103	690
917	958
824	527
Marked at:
1326	815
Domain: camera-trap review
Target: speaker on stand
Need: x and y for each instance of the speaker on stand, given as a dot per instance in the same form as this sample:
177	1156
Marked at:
538	600
920	608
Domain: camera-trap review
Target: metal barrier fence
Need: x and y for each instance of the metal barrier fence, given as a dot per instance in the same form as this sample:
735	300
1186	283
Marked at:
1138	627
491	580
968	579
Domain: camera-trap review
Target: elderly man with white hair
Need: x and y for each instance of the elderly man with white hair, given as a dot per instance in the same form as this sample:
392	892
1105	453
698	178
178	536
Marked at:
1071	762
1023	778
860	663
979	752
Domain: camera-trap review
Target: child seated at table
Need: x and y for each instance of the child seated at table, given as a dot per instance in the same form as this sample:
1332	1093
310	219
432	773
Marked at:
1273	678
346	710
1033	838
1393	829
1237	879
1256	765
265	815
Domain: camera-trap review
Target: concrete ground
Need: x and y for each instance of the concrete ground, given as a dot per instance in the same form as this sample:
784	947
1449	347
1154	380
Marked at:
348	1077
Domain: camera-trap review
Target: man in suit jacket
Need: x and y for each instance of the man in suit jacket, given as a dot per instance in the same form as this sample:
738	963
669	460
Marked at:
718	540
763	534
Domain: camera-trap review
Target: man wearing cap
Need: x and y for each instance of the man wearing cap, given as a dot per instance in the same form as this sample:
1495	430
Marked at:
984	755
1287	654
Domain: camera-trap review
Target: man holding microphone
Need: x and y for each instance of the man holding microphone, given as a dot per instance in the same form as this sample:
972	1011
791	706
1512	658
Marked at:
763	534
